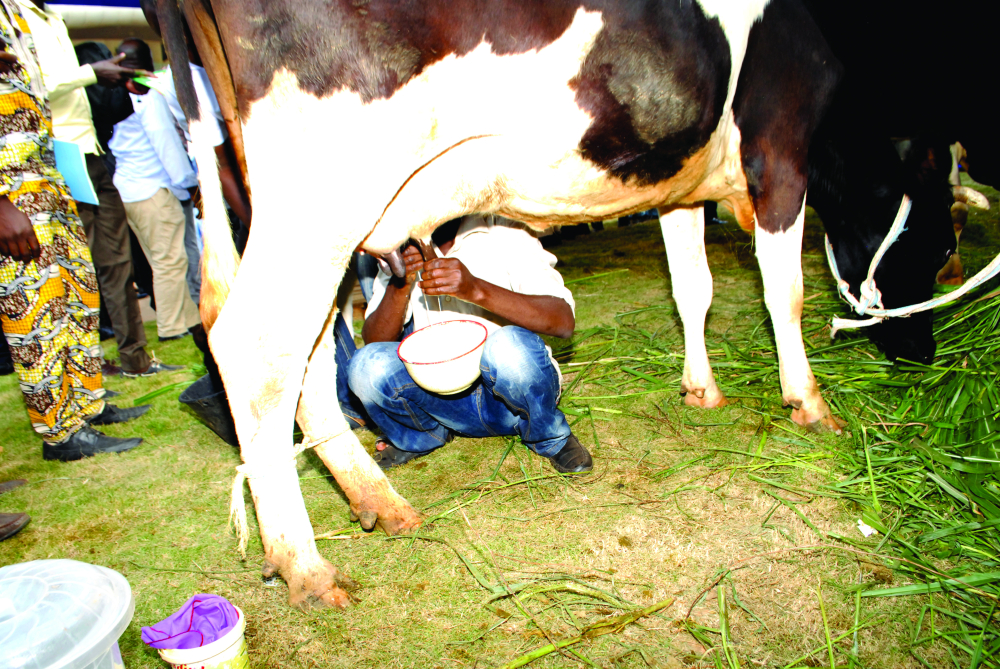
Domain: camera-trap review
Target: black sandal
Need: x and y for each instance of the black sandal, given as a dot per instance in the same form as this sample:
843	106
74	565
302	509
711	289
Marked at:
390	456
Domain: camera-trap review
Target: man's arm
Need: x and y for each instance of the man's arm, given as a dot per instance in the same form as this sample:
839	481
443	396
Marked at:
104	72
544	314
387	321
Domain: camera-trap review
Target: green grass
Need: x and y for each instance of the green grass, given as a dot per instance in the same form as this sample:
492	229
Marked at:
746	522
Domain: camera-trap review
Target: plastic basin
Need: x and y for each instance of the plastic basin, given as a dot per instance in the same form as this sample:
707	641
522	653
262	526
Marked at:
57	614
443	358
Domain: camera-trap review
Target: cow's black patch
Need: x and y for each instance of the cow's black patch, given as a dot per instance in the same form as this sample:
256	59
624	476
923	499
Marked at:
373	47
655	83
786	83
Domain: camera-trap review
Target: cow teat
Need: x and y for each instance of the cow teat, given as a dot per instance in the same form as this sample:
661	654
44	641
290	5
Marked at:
391	263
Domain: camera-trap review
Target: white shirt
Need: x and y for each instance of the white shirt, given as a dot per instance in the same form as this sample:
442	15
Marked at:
494	249
207	103
64	77
150	153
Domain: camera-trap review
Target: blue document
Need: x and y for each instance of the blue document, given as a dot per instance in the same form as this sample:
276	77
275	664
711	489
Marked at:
70	162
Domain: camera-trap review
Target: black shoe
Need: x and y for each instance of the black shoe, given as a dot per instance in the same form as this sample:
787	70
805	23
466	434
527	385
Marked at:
6	367
113	414
175	337
110	369
573	458
86	442
155	367
12	523
110	394
391	456
106	333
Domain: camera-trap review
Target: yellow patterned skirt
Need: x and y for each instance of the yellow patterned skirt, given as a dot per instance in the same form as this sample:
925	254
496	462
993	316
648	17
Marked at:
49	309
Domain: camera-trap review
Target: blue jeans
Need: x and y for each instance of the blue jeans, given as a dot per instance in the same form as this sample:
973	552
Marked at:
517	393
367	268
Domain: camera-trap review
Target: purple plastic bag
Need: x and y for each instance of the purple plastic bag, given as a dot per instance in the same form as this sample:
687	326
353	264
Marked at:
202	620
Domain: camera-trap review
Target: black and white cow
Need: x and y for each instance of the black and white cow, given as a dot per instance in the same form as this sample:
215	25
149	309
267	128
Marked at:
365	123
903	64
856	183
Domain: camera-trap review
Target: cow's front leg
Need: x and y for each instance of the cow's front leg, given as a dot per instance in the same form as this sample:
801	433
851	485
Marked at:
262	347
373	499
779	254
691	280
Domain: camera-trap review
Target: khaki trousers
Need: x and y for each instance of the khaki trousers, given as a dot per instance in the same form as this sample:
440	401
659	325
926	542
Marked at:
159	224
107	236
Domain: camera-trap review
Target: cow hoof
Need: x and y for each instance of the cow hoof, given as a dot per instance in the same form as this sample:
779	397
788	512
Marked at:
706	399
394	519
320	588
825	422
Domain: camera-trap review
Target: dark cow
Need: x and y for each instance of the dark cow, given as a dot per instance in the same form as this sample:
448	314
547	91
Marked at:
856	182
363	123
903	64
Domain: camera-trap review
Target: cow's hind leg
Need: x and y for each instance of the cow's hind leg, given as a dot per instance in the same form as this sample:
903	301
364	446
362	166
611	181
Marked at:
684	236
373	499
262	341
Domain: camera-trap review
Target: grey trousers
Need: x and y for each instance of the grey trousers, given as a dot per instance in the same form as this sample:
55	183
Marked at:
108	238
193	254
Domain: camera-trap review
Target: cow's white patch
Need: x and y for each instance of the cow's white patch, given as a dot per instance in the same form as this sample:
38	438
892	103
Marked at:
684	236
736	18
779	255
362	154
219	260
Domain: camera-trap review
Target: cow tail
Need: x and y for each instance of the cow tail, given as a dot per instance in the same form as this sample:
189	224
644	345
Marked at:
219	259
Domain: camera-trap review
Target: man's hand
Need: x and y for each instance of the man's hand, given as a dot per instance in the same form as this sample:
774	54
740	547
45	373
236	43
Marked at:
17	237
414	263
196	201
448	276
7	62
110	73
386	322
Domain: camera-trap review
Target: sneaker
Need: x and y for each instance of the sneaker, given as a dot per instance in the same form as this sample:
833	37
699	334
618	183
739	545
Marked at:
573	458
113	414
175	337
155	367
86	442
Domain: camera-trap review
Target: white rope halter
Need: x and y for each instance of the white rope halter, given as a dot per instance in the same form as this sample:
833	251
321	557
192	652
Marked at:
870	302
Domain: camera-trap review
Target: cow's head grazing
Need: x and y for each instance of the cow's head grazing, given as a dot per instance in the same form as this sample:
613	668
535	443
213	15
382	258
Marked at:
908	271
856	186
